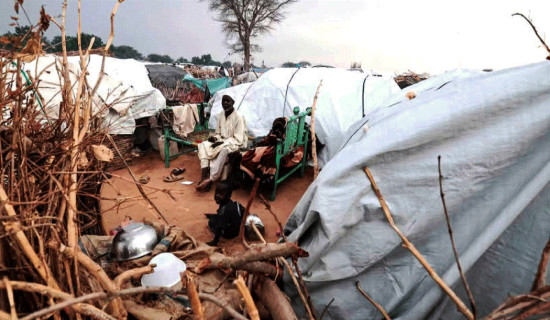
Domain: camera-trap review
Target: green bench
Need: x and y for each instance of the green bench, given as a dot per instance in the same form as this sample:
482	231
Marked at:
188	144
296	136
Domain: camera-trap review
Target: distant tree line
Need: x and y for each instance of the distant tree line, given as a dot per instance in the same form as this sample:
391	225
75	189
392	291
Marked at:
290	64
121	52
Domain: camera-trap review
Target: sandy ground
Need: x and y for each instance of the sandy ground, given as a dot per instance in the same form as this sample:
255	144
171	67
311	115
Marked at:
188	208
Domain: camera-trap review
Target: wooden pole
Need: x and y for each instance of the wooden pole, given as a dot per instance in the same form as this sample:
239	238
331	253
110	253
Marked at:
407	244
248	301
42	268
193	294
313	137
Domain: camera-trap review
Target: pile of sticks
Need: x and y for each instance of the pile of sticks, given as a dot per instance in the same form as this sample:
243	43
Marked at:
409	78
49	194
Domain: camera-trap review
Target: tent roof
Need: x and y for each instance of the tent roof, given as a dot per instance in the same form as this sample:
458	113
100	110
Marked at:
165	75
491	131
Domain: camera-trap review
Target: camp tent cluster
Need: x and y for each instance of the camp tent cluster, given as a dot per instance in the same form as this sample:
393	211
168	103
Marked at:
491	131
344	97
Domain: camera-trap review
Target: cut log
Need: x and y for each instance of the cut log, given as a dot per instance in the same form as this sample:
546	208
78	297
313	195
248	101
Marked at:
262	253
145	313
273	299
231	297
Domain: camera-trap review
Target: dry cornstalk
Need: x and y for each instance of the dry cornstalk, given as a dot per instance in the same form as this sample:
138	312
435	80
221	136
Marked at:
536	32
248	301
268	207
515	304
540	276
247	211
25	245
222	304
13	312
257	232
193	294
407	244
313	137
374	303
98	272
455	252
298	288
128	274
138	185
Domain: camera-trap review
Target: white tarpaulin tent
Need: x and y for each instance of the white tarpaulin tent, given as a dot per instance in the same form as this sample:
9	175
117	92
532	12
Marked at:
492	131
344	98
431	84
236	92
125	92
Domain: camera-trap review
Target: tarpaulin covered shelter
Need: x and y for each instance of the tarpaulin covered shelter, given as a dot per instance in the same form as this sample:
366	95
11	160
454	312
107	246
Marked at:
344	98
124	94
213	85
165	75
168	79
492	131
431	84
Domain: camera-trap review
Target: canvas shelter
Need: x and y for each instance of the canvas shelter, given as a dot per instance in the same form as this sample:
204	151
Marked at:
492	132
213	85
165	75
344	98
418	89
125	92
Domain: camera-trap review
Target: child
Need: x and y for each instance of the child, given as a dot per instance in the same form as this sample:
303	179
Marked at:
227	221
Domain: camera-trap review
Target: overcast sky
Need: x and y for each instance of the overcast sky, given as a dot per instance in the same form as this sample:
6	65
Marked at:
383	35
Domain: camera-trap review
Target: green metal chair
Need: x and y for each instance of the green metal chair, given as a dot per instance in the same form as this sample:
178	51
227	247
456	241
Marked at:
190	143
296	136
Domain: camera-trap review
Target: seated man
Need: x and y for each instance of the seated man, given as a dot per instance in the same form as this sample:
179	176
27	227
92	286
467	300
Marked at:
227	222
230	136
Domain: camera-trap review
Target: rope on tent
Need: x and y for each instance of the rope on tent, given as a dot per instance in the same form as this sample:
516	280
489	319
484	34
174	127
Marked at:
363	96
33	90
245	93
287	85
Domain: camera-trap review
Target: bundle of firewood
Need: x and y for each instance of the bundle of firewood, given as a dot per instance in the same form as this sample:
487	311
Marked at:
409	78
51	173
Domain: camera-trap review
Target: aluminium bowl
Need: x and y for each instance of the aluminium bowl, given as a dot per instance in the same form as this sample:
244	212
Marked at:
134	241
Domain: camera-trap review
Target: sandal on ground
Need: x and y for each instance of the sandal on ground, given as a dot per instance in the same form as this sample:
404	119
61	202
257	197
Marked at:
144	179
173	177
177	171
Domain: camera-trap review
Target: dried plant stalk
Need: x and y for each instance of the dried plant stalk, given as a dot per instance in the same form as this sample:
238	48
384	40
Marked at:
248	301
407	244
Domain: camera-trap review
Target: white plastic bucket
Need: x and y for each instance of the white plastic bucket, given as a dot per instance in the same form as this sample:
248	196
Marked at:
166	273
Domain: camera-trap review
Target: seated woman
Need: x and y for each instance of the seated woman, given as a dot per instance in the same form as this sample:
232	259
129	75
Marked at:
261	159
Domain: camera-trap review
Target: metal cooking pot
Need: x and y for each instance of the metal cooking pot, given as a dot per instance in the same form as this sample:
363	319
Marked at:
134	241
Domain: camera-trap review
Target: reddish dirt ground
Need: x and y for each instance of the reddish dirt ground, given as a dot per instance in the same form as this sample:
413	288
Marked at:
188	208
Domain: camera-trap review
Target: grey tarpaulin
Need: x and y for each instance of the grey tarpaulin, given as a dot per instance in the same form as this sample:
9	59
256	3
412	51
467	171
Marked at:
493	133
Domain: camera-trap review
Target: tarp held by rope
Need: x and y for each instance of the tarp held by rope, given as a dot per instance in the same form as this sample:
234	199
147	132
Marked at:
492	132
344	98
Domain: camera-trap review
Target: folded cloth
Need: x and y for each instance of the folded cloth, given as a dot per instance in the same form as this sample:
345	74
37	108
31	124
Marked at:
185	119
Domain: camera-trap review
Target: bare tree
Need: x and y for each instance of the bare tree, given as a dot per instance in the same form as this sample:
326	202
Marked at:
244	20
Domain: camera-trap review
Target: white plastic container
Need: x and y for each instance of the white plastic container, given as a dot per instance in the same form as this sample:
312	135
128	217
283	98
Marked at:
166	273
173	147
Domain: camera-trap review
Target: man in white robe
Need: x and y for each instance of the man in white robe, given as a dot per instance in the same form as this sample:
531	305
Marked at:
230	135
